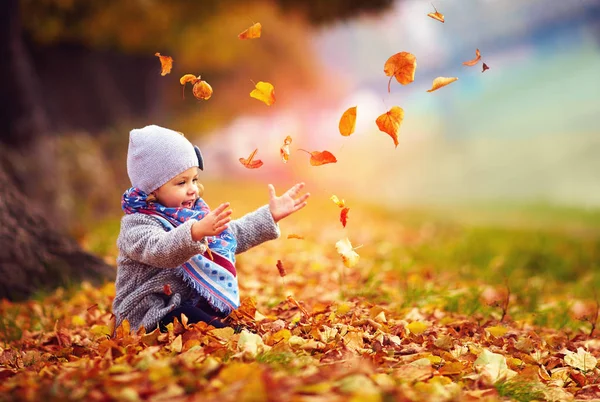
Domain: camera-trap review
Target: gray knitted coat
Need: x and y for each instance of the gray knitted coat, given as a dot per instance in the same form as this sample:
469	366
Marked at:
149	256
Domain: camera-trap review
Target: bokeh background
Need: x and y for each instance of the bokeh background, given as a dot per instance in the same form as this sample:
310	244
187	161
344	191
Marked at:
525	132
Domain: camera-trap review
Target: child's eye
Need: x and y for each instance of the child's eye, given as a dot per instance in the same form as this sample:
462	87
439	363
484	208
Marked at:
195	180
181	183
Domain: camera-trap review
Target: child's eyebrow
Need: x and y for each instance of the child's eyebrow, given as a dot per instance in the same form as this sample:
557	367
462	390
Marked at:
184	177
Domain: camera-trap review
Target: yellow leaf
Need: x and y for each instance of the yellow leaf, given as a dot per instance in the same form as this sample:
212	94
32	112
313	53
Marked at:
337	201
493	367
582	360
265	92
223	333
100	330
343	308
349	256
252	33
390	122
497	331
176	345
78	320
402	66
417	327
348	122
440	82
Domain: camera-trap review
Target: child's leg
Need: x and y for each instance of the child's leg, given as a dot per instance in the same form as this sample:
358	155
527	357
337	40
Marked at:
193	314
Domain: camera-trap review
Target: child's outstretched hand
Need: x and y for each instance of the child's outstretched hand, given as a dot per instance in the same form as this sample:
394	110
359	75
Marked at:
213	223
287	203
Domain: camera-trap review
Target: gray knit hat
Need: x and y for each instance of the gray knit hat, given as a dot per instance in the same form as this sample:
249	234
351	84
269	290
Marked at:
157	154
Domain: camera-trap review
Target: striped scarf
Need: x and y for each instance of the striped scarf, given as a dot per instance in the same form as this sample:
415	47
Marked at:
213	279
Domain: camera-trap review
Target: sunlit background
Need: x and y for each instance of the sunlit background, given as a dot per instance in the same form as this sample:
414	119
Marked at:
526	130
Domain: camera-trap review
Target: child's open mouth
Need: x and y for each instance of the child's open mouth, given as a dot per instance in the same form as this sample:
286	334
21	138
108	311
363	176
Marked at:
187	204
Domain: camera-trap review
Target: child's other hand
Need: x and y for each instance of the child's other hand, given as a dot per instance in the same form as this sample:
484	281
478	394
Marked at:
287	203
213	223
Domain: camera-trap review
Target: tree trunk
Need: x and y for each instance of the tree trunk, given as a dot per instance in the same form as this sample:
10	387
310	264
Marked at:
33	254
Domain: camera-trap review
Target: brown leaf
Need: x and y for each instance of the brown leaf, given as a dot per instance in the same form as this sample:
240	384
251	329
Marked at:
252	33
166	64
348	122
250	163
485	67
475	60
318	158
284	151
281	268
437	15
402	66
440	82
390	122
344	216
167	289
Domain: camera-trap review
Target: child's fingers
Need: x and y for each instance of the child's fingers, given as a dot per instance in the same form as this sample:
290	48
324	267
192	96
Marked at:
302	199
220	208
272	193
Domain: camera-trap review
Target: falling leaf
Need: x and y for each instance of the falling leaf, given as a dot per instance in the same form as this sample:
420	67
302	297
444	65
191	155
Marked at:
167	290
188	78
485	67
281	268
344	216
295	236
166	63
285	149
475	60
337	201
582	360
390	121
250	163
349	256
264	92
402	66
251	33
320	158
348	121
441	82
437	15
202	90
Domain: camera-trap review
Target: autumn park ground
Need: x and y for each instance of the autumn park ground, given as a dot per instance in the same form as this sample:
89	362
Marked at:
447	304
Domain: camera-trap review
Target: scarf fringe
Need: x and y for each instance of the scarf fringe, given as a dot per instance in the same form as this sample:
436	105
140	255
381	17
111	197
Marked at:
205	294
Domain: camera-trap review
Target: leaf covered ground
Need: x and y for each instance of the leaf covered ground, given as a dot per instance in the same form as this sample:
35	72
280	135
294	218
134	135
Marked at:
436	309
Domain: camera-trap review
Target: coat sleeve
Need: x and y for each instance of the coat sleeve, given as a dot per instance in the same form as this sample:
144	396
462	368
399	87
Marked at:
143	238
254	228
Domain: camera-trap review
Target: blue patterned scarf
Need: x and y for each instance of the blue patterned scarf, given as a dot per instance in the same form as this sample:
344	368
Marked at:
211	275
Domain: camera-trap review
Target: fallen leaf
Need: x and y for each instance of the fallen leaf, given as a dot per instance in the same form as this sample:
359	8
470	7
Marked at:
390	122
475	60
344	216
166	63
402	66
497	331
417	327
437	15
441	82
318	158
265	92
349	256
252	33
348	122
295	236
493	367
485	67
582	360
285	149
291	299
167	290
337	201
250	163
281	268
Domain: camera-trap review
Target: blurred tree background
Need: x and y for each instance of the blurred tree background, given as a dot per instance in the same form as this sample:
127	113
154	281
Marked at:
78	75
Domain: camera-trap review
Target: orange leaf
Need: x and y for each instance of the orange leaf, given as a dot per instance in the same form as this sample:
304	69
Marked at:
320	158
348	122
281	268
390	121
285	149
475	60
436	16
337	201
188	78
485	67
344	216
251	33
264	92
293	301
202	90
166	64
295	236
402	66
441	82
167	290
250	163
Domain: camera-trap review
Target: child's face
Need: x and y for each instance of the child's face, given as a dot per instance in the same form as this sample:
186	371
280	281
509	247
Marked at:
179	192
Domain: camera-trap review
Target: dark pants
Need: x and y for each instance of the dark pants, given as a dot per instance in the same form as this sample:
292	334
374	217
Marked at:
194	315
